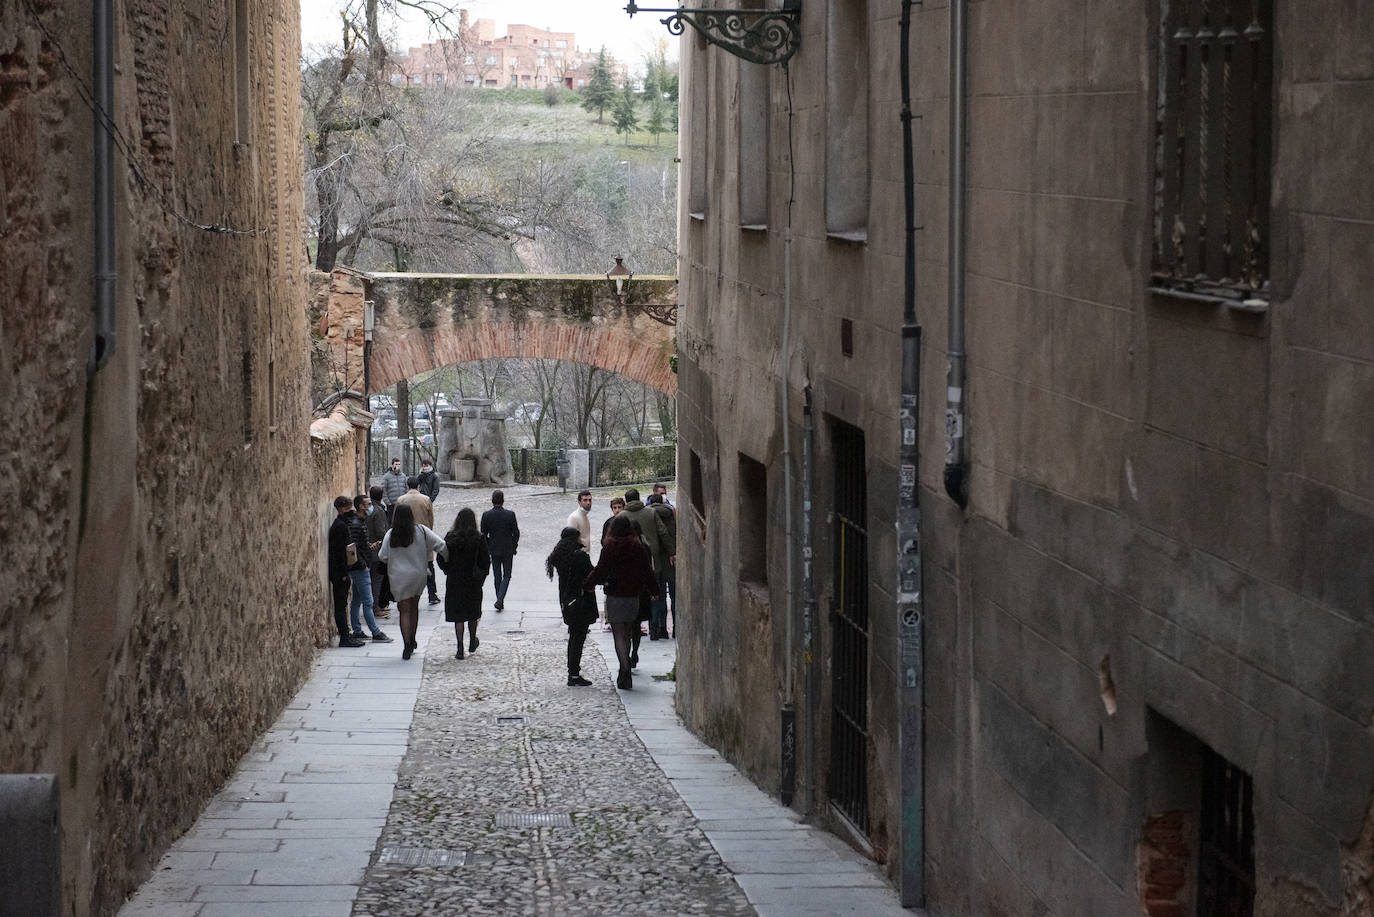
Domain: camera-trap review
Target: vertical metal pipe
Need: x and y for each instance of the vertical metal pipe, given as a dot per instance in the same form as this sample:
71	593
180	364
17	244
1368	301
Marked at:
787	715
910	607
956	483
809	620
102	79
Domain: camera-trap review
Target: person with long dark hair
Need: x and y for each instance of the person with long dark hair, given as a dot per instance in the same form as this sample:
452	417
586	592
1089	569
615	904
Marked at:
627	572
570	561
406	552
466	564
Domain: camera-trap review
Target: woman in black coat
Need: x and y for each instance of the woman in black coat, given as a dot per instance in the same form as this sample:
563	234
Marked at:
570	561
466	566
627	571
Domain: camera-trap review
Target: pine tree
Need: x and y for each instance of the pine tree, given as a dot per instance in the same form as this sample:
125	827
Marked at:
653	86
599	94
623	116
658	117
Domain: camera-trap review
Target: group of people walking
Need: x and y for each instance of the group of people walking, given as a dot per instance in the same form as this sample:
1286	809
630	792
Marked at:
383	547
635	569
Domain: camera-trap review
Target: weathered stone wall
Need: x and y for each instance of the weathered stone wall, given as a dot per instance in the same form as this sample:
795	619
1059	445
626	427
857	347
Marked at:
337	335
160	531
1168	498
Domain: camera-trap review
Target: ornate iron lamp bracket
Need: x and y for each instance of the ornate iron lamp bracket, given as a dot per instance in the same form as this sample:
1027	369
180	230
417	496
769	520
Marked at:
761	36
663	313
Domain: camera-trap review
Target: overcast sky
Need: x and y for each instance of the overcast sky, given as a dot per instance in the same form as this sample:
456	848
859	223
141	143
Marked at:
595	22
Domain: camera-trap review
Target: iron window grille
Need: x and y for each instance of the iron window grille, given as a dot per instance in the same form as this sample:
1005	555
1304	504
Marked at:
849	737
1213	150
1226	849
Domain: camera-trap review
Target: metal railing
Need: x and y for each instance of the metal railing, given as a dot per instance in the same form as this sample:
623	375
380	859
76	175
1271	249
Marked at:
534	466
633	465
848	784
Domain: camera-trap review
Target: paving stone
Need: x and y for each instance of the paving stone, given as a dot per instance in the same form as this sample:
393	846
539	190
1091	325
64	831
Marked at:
250	893
281	909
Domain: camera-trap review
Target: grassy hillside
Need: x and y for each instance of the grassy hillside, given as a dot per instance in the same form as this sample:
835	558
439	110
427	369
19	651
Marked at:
527	120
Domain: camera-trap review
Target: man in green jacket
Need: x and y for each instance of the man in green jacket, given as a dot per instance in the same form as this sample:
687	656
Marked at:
662	547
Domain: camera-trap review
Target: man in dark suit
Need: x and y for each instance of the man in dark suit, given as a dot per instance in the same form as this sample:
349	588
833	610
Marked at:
503	537
339	539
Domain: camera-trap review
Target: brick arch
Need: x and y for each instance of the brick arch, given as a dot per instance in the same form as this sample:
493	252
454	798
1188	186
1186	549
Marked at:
623	348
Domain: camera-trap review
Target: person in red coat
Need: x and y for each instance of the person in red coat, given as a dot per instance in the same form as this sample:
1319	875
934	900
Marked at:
627	572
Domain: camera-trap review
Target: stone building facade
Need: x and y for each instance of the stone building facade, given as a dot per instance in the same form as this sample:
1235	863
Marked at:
160	521
1147	633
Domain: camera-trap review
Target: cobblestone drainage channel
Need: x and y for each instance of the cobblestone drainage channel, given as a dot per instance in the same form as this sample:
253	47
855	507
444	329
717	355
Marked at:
533	820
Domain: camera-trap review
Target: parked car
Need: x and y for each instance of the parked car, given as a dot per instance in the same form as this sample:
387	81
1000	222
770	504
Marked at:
526	413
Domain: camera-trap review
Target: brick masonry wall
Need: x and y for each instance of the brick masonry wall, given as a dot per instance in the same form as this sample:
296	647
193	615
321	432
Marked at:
429	320
1166	852
161	524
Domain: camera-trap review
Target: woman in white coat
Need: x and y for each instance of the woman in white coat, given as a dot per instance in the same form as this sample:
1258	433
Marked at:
405	549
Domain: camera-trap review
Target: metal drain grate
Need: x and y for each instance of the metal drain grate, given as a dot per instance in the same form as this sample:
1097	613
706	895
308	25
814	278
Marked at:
533	820
516	633
512	720
421	856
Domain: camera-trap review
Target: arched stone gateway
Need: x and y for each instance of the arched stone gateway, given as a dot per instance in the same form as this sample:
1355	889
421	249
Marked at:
424	321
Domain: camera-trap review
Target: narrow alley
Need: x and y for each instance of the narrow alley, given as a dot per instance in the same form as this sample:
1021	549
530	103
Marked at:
486	786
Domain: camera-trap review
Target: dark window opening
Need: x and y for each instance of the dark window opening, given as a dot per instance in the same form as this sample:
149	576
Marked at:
695	491
1213	149
847	337
752	153
243	96
1226	840
697	78
753	521
848	778
846	120
247	379
1197	844
271	398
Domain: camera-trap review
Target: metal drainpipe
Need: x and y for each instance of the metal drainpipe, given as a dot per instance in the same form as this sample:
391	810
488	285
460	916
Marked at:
369	324
102	68
809	620
956	475
910	605
787	726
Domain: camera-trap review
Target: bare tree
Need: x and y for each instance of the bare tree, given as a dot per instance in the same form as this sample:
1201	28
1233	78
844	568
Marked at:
396	168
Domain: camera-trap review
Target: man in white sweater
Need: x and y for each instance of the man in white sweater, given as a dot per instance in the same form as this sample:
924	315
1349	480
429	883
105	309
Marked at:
580	519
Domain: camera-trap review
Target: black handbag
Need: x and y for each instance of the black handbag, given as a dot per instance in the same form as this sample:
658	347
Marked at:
384	595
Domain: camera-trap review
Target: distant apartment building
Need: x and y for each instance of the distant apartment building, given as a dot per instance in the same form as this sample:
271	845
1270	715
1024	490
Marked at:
525	57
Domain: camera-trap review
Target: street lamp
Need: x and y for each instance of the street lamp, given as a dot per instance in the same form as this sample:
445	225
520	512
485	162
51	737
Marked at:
617	276
663	313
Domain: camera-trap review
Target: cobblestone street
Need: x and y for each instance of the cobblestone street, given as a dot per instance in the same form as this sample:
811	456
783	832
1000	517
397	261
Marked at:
486	786
631	846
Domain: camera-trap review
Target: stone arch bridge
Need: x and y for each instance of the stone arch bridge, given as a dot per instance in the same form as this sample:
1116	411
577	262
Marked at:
425	321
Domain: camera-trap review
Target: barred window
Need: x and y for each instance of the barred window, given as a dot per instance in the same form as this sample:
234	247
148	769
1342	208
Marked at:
1213	149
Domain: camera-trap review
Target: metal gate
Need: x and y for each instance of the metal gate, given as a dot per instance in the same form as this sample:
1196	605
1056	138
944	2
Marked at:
848	779
1226	861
